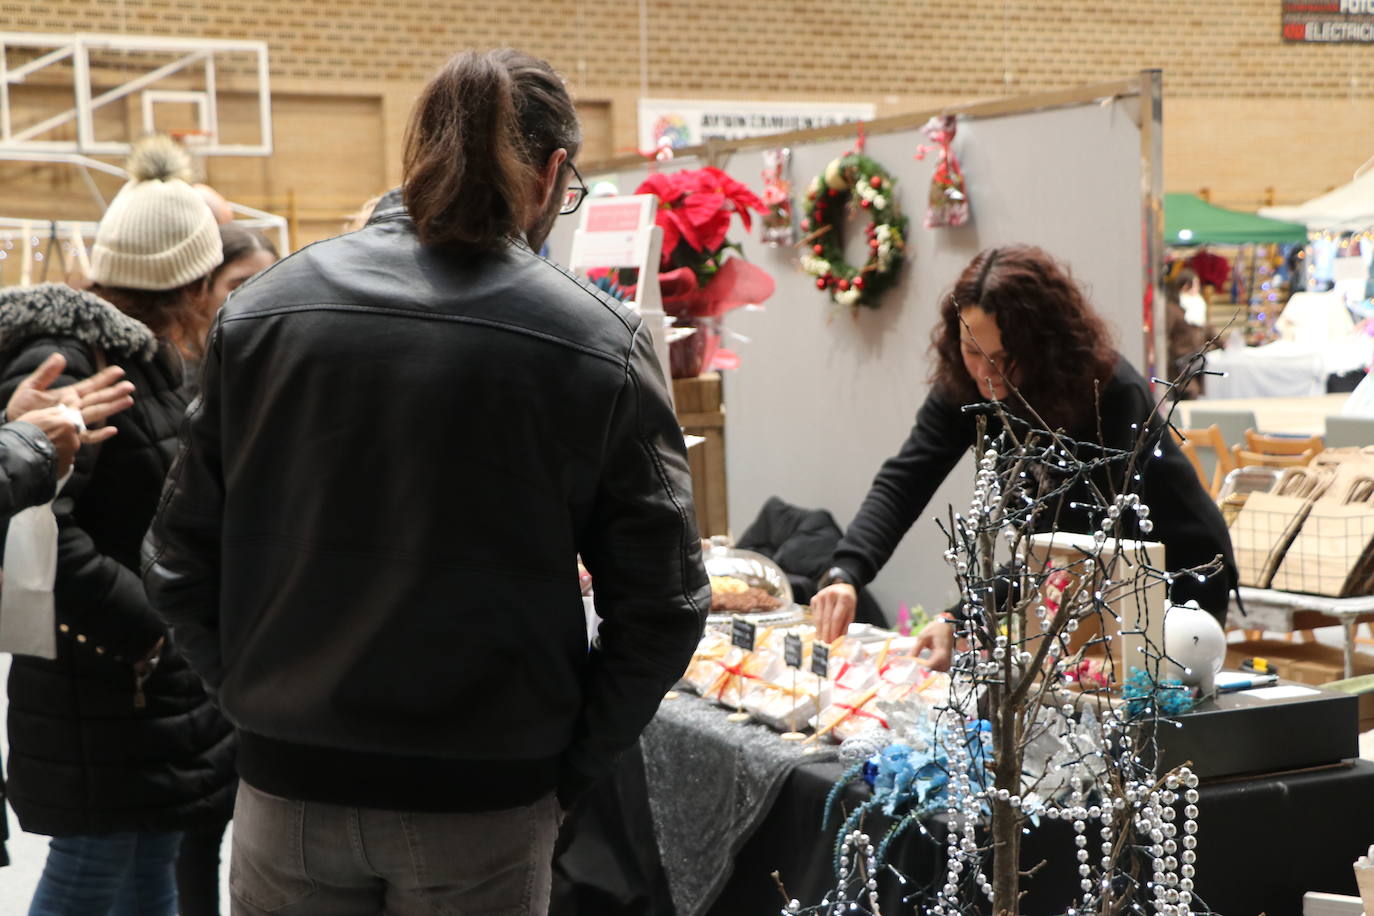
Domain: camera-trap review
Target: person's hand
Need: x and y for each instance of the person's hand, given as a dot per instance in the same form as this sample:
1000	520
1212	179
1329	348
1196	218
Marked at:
938	637
58	425
833	609
98	398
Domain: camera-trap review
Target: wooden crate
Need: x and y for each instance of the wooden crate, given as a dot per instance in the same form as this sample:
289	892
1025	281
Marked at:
701	413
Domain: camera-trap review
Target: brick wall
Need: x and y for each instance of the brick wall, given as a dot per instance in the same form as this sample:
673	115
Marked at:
1244	111
1210	47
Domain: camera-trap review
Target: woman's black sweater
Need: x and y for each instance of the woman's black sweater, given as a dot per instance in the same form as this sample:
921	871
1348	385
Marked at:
1185	518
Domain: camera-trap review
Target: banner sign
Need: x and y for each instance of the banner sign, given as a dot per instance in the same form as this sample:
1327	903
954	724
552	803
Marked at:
689	123
1328	21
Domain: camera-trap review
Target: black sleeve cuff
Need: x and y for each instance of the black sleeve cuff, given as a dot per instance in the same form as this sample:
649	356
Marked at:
837	574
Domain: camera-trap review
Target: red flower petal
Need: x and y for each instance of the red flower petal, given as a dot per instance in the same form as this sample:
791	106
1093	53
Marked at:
661	186
713	232
684	227
701	206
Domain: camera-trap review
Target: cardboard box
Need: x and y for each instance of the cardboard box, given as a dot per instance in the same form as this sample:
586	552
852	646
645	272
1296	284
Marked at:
1138	599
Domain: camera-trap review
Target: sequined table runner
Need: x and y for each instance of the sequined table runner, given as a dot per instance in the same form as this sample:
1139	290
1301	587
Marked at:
711	782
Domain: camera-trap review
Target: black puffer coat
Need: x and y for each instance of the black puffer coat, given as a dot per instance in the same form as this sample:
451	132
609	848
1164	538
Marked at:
86	757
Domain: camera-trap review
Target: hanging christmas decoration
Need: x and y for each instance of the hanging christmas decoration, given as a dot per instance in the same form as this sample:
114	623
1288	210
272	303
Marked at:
778	226
853	180
948	193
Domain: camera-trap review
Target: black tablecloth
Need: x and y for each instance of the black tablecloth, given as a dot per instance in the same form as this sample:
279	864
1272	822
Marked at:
1262	843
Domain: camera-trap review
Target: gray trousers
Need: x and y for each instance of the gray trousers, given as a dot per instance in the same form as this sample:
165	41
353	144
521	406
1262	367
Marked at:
297	858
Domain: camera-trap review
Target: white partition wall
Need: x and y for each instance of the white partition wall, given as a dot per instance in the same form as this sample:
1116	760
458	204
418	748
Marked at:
823	396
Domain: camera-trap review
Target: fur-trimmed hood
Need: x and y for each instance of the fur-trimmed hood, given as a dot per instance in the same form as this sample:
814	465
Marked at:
57	310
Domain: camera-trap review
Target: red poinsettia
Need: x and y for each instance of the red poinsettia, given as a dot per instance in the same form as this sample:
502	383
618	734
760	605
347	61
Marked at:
694	209
698	282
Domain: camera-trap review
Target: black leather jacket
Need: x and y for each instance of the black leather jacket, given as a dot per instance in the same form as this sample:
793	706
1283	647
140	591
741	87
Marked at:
369	541
28	468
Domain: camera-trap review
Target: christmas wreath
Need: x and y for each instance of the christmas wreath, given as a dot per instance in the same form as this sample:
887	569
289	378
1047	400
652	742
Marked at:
853	178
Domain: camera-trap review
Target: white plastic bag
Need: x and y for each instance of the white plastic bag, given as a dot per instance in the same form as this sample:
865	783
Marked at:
28	618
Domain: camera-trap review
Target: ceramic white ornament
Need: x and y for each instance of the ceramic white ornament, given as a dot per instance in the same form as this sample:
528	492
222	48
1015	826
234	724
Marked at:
1195	645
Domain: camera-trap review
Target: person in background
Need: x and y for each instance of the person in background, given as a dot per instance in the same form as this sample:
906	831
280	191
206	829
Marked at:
358	218
1185	323
224	213
38	446
115	747
1016	325
1185	289
406	437
246	252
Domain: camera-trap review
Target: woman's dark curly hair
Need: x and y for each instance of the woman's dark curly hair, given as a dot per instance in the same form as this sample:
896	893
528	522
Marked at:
1057	347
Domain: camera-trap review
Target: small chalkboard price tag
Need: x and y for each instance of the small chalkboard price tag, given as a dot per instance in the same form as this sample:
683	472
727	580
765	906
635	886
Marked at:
820	659
742	634
792	650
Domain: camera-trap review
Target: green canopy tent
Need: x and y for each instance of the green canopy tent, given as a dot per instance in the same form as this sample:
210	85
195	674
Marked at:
1190	220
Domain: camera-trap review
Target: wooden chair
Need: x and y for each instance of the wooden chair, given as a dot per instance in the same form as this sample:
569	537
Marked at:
1204	448
1281	445
1246	458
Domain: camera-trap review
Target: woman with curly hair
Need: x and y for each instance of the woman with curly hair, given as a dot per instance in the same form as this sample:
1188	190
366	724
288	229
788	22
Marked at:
1018	330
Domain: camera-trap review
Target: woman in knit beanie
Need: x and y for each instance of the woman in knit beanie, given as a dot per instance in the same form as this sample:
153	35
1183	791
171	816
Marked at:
115	747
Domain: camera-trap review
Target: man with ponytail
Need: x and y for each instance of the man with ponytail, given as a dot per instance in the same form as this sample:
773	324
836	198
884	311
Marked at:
406	437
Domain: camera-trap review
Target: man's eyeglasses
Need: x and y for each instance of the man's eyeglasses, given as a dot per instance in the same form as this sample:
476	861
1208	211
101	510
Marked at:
573	197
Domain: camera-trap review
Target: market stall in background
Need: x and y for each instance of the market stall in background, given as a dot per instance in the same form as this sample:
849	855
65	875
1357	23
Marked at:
765	703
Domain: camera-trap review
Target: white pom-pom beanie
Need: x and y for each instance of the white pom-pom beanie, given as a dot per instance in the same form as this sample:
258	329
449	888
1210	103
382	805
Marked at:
158	232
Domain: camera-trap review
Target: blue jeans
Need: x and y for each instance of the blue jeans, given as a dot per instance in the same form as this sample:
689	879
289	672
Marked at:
121	874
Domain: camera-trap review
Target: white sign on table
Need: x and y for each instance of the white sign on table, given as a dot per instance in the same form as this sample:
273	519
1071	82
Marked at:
620	232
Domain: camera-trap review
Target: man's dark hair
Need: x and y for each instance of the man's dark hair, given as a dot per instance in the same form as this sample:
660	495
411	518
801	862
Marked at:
482	130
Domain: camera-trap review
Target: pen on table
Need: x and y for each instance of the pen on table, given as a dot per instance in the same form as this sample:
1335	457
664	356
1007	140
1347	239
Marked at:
1263	680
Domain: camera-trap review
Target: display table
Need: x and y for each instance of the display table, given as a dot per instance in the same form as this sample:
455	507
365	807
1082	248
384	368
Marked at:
1279	369
1285	368
1284	612
1263	842
1286	416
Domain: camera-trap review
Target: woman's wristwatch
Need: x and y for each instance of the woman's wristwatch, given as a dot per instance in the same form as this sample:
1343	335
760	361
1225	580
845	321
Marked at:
833	575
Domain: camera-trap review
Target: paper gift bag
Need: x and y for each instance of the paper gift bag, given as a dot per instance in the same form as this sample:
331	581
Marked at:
1330	554
1347	466
1266	525
28	619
